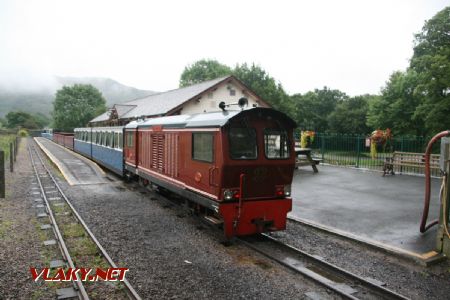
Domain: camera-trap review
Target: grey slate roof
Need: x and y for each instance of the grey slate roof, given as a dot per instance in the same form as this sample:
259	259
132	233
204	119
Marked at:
120	108
101	118
161	103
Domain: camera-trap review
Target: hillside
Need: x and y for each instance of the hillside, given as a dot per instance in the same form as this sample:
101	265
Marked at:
40	99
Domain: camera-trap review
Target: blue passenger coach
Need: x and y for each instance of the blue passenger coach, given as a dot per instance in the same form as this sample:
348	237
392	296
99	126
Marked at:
101	144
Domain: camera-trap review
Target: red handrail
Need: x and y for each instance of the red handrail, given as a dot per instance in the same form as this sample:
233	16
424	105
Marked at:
426	206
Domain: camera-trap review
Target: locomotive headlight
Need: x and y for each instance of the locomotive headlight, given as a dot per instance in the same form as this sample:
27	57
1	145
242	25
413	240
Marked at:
287	190
228	194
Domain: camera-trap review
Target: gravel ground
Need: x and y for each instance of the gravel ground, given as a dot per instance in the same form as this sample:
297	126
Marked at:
405	277
173	255
20	243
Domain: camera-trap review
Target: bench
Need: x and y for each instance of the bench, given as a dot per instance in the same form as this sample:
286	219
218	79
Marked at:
408	160
304	158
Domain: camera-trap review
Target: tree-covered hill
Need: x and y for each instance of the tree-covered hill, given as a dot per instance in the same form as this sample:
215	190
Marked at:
39	100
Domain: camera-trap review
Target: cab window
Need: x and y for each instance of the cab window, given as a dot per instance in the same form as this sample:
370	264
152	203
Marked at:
129	137
243	143
276	144
203	146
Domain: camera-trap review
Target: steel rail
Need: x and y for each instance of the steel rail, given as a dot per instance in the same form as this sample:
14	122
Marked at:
329	268
62	245
129	288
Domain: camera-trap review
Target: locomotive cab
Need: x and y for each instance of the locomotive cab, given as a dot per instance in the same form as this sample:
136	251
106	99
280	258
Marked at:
258	166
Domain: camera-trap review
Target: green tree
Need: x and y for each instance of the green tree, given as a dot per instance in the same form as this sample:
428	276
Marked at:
3	123
431	61
396	107
203	70
76	105
16	119
41	119
349	116
265	86
314	108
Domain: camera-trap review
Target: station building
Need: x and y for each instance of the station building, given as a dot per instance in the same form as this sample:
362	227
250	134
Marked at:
197	98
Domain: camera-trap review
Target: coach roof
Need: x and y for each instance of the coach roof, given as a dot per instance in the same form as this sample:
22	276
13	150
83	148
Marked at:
212	119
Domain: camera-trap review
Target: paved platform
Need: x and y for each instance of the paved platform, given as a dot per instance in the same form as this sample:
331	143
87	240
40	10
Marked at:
382	210
75	168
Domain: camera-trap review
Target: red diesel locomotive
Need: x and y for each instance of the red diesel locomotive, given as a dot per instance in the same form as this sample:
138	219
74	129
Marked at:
234	167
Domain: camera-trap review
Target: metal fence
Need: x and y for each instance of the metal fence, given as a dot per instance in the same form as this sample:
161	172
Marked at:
352	150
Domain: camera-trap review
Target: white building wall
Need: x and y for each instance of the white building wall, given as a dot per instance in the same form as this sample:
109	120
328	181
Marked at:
209	102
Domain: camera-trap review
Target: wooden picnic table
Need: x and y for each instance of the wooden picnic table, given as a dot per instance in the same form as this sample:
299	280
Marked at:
304	158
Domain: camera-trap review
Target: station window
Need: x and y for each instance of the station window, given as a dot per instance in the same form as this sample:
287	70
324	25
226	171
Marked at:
243	143
203	146
276	144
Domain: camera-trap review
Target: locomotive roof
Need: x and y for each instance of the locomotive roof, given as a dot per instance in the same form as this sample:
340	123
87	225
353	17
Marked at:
212	119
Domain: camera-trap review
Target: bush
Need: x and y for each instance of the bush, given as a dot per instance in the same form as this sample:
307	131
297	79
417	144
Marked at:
23	133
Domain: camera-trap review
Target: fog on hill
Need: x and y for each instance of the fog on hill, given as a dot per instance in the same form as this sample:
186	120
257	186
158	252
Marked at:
36	95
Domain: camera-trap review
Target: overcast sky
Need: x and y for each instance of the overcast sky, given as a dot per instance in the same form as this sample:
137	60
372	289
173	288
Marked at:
349	45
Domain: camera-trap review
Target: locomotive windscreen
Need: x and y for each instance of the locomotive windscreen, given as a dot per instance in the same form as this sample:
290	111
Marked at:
243	143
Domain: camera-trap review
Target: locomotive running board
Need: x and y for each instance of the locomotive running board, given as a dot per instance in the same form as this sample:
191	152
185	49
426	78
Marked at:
194	197
213	220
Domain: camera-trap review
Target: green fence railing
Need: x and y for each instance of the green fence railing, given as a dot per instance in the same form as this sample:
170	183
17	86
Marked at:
353	150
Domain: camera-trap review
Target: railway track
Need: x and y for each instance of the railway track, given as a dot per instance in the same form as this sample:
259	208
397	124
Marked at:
344	283
73	237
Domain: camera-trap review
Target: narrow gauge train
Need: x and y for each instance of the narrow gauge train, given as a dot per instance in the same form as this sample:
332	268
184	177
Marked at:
234	167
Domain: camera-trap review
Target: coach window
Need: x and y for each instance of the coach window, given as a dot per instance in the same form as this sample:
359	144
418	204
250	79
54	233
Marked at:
120	140
203	146
276	144
243	143
111	140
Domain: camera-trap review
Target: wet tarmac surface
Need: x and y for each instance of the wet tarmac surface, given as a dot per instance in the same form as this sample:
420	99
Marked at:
75	168
385	209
